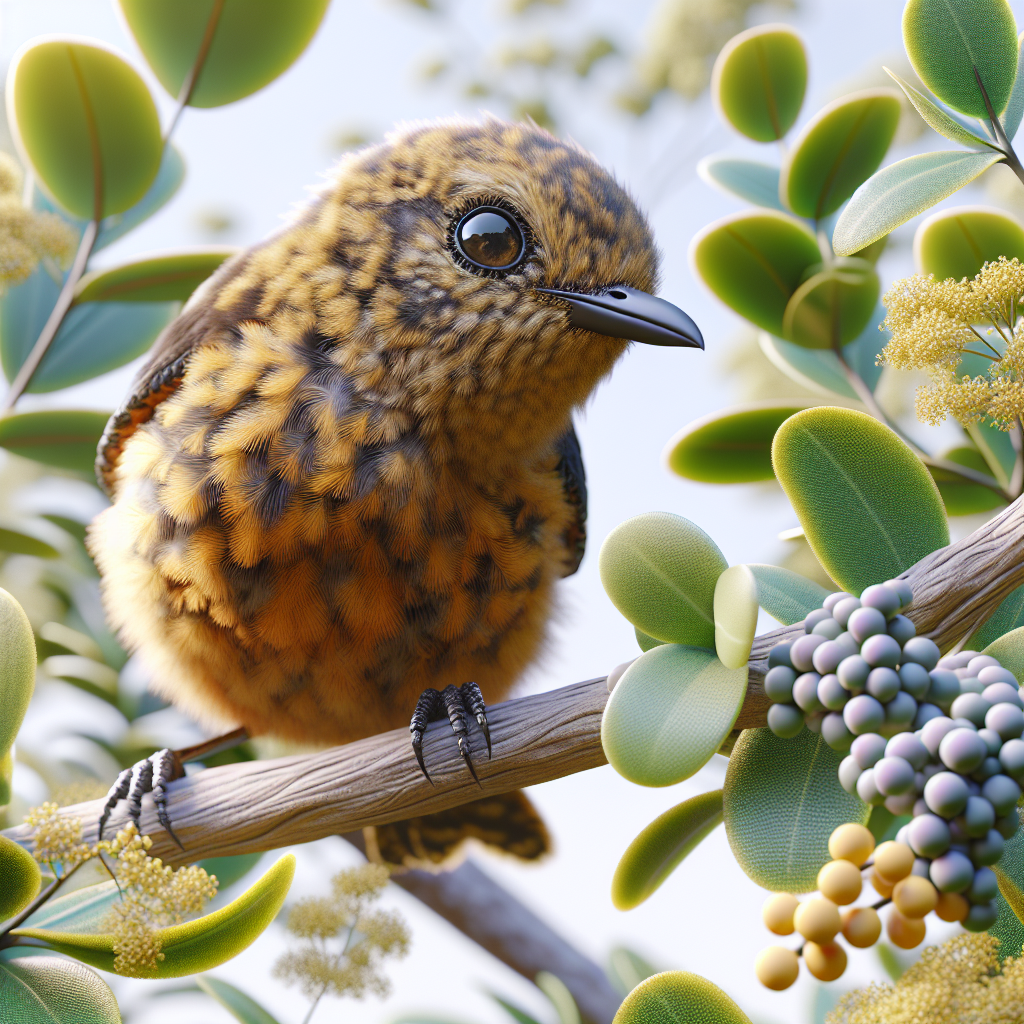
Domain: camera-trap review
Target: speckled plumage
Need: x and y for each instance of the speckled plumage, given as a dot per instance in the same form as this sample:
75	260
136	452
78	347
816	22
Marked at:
338	480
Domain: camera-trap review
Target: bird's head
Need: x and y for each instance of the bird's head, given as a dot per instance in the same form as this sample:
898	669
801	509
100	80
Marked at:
484	278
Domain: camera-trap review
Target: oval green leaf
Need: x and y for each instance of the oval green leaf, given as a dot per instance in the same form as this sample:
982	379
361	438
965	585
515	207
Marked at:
1006	618
838	150
759	79
678	997
736	611
85	122
782	801
749	179
946	123
786	596
48	990
833	307
1011	116
17	668
1009	926
19	543
947	40
660	571
997	448
21	878
754	262
229	870
901	191
661	847
961	497
66	438
646	642
1008	649
173	276
251	42
197	945
958	242
868	506
241	1006
731	447
81	911
559	996
668	714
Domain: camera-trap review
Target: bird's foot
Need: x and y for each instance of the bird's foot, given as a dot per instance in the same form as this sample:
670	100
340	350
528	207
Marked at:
151	775
457	702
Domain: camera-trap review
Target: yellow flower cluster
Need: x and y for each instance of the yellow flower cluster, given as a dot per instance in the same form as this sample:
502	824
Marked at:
935	323
959	982
351	967
28	236
58	839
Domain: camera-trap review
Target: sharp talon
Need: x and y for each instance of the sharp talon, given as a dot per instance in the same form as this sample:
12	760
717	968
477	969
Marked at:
482	722
473	700
464	751
417	746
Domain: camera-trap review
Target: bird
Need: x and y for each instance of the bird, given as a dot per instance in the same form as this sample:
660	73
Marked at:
345	480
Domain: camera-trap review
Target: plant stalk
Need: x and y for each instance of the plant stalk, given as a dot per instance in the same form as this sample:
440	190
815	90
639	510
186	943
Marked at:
1009	155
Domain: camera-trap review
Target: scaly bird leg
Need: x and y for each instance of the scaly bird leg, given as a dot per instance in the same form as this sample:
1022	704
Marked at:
455	702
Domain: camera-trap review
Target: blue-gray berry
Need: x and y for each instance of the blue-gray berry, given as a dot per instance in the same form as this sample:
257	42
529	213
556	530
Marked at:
921	650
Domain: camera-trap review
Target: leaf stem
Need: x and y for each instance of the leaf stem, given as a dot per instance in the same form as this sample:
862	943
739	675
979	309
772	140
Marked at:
1009	155
192	78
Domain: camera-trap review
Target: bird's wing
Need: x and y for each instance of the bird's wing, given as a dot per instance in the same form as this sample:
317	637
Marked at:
164	367
574	485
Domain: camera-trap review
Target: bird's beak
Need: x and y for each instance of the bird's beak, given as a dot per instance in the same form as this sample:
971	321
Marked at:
629	313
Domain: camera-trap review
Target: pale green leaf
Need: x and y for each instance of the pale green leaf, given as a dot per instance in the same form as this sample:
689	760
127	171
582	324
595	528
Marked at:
749	179
678	997
48	990
241	1006
17	668
938	120
736	611
786	596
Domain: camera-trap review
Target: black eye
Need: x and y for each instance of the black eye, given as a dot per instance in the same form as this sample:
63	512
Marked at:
490	238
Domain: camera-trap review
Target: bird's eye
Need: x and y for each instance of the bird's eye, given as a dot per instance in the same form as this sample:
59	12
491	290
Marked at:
489	238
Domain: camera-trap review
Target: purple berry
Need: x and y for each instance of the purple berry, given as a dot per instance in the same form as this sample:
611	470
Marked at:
909	747
802	650
805	692
849	773
952	872
828	628
1007	720
993	674
833	599
921	650
853	673
993	741
928	835
883	684
785	720
867	790
925	713
901	805
835	733
959	660
865	622
1011	757
842	610
945	794
902	587
962	750
1002	693
863	714
980	661
778	684
884	599
900	711
831	693
988	849
971	706
813	618
894	776
901	629
933	732
977	818
827	657
1002	792
881	650
868	750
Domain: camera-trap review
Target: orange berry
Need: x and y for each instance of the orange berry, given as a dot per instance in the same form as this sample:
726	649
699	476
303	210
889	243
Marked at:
826	962
893	861
862	926
914	896
905	932
777	967
777	913
840	881
817	920
851	842
880	885
951	907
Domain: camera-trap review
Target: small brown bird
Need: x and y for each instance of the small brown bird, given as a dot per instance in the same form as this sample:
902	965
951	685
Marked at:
347	475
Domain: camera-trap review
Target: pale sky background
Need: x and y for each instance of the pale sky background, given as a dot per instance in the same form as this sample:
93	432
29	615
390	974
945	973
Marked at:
256	159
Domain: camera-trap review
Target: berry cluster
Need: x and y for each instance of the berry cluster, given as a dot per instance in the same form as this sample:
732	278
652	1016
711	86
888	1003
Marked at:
935	738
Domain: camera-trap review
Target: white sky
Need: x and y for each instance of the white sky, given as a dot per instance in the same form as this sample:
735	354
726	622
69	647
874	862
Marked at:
256	159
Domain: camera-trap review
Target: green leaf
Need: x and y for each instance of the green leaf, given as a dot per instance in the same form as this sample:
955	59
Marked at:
66	438
678	997
1009	928
81	911
626	969
559	996
736	611
749	179
646	642
661	847
85	673
17	668
782	801
868	506
958	242
730	447
997	448
833	306
942	121
1015	107
156	279
253	42
21	878
903	190
837	150
754	262
230	869
85	122
786	596
1006	618
48	990
660	571
235	1001
1011	892
961	497
669	712
947	40
759	80
1008	650
197	945
6	775
517	1013
18	543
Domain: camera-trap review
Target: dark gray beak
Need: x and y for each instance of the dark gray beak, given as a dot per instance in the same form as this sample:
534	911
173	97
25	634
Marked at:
623	312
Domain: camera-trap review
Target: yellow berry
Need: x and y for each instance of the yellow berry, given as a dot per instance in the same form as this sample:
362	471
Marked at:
777	967
851	842
951	907
905	932
880	885
862	926
840	881
894	861
817	920
826	962
914	896
777	913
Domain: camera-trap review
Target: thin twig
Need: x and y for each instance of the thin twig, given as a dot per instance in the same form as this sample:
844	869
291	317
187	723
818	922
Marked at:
1009	156
192	78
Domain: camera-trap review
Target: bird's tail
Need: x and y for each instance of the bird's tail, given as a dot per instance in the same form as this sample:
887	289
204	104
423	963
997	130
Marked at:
508	822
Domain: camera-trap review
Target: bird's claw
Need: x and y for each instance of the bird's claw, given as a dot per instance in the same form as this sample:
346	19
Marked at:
151	775
454	702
